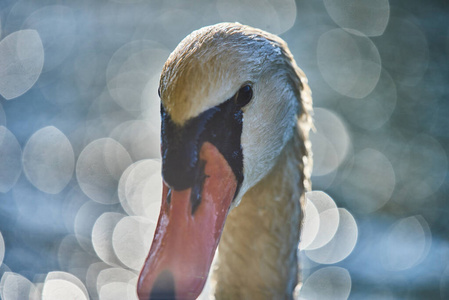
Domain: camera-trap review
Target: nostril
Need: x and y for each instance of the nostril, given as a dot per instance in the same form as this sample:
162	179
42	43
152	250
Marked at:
164	287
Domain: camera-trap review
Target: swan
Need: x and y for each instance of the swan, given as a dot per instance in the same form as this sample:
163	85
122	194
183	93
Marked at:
236	162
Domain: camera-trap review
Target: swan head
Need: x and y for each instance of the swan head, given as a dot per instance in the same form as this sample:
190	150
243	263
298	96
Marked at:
230	97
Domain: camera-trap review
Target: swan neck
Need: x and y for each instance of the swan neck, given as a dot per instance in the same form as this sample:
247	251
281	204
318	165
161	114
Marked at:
257	256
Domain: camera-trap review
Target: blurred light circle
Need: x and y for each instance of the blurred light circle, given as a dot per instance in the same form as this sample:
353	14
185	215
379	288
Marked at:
164	30
333	283
3	269
370	183
104	115
186	22
349	63
57	289
2	248
132	239
140	189
329	218
129	71
56	25
85	219
72	204
151	104
57	275
144	188
330	142
49	160
17	14
2	115
99	167
139	55
341	244
324	181
140	138
21	62
275	16
406	243
310	225
118	290
121	190
427	234
91	277
102	237
110	275
11	160
325	157
68	248
405	51
374	110
423	167
368	17
127	87
444	284
14	286
73	258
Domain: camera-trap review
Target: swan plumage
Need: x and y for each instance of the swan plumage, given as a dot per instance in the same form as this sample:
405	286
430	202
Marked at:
258	153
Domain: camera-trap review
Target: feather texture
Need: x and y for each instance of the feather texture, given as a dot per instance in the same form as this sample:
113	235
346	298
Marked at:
258	248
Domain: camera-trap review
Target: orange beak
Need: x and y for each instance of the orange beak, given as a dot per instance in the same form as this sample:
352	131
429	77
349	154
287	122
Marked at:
188	231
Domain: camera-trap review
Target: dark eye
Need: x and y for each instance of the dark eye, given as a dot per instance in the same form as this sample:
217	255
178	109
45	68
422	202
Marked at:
244	95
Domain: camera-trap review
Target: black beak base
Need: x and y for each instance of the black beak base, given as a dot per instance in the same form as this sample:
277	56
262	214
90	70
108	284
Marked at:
220	125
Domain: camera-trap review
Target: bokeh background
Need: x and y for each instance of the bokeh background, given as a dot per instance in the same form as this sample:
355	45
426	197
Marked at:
79	141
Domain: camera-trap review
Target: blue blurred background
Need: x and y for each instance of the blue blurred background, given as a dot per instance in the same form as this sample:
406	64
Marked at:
79	140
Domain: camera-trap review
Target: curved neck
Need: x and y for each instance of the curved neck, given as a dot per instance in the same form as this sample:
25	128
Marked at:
257	256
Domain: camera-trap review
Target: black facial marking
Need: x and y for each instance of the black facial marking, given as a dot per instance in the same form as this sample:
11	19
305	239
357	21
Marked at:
197	189
221	126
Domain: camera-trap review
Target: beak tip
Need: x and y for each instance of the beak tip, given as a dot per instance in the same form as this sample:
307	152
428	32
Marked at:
162	289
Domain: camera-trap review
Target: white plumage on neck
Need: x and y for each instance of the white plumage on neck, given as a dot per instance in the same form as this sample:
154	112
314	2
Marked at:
258	249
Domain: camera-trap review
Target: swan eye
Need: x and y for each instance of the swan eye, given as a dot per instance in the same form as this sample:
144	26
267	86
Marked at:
244	95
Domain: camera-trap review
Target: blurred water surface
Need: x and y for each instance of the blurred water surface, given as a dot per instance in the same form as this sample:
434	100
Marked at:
80	182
